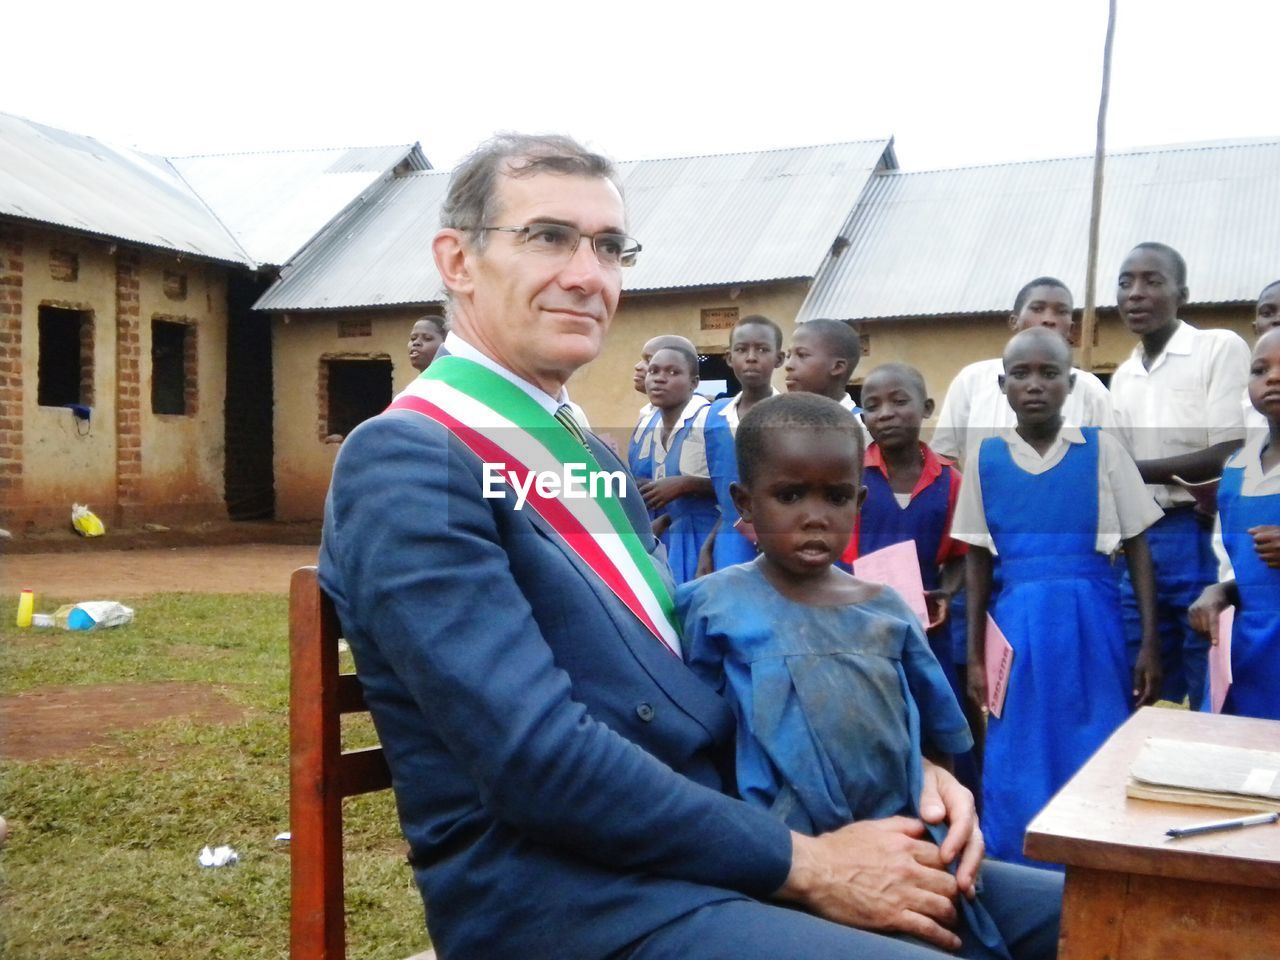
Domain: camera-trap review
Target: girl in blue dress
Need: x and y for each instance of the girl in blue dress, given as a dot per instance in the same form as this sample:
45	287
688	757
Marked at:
830	678
680	495
1053	500
755	352
1248	540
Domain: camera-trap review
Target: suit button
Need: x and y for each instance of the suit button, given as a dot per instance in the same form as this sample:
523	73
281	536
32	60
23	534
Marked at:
645	712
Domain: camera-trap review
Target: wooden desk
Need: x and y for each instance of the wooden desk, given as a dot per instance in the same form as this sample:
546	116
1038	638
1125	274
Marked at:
1132	894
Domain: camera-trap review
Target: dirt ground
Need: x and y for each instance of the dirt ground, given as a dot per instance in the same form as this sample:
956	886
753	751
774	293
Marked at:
62	721
100	574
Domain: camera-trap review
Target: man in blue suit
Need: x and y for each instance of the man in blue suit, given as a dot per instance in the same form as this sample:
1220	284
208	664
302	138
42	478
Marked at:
559	773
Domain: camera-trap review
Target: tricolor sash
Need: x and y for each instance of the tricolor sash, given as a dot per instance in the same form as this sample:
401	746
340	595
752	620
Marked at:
508	429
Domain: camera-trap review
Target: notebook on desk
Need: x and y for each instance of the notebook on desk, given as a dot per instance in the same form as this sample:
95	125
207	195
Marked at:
1205	774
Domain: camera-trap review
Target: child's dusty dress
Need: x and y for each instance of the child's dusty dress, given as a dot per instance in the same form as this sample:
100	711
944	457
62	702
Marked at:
832	704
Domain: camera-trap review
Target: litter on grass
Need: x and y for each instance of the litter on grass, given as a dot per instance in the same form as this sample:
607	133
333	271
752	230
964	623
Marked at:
218	856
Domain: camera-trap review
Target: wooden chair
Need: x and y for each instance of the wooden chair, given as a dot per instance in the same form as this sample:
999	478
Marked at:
321	774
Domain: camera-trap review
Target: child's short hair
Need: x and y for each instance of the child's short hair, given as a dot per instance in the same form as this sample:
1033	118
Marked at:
1174	257
435	320
839	338
1024	294
759	320
690	358
1273	283
908	373
795	411
1042	336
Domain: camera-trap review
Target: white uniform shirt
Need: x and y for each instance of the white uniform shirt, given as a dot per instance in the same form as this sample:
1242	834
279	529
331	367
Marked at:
1188	401
730	411
693	452
847	402
1125	508
1254	483
975	408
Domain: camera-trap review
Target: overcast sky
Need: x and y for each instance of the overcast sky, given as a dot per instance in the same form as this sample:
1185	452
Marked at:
955	82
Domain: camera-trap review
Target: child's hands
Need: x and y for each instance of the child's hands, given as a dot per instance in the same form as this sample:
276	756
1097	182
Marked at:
1266	542
658	493
1204	613
937	603
1147	675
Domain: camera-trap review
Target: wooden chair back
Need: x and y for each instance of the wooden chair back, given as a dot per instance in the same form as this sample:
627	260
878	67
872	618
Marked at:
321	774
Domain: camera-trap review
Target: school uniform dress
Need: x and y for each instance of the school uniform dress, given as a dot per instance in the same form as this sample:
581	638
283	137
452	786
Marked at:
730	546
1187	401
692	518
832	703
1054	521
975	408
1247	497
640	446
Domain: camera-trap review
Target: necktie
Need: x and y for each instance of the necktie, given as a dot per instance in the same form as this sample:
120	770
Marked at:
565	415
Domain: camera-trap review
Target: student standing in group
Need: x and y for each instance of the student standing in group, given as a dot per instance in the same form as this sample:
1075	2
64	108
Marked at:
823	356
974	408
640	446
792	642
911	496
680	495
424	340
1266	317
1247	540
1177	406
1054	501
755	352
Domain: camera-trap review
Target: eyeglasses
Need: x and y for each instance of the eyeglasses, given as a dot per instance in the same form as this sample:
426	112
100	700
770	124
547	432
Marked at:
560	241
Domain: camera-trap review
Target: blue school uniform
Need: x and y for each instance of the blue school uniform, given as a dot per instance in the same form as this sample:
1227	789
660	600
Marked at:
692	518
1255	636
831	703
730	546
1059	608
640	447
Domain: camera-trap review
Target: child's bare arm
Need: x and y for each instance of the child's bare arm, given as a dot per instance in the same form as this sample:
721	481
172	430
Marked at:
706	556
1147	671
1213	599
977	572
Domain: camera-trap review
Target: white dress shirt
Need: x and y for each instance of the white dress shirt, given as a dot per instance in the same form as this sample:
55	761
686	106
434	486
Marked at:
976	408
1188	401
1254	483
1125	508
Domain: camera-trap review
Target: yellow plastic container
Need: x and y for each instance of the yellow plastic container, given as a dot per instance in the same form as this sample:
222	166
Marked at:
26	604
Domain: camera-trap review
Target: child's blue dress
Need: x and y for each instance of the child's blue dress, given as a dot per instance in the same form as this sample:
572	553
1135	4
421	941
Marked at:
640	447
1059	608
730	546
1255	636
831	704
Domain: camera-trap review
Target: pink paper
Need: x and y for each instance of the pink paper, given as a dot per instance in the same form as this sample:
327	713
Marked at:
897	566
1220	661
999	657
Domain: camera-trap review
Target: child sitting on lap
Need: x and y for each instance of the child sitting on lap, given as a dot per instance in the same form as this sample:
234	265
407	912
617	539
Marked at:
830	678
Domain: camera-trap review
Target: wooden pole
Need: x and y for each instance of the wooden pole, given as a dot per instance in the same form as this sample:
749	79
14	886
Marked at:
1089	321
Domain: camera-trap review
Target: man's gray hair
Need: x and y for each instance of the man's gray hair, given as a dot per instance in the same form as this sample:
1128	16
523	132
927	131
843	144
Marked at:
472	199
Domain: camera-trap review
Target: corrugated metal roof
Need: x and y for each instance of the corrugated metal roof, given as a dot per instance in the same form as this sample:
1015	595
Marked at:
377	253
703	221
275	202
62	178
963	241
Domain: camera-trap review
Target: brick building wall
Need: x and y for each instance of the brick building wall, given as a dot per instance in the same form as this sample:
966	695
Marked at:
10	362
128	384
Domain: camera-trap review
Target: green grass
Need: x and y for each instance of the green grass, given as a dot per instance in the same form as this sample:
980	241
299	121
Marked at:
101	858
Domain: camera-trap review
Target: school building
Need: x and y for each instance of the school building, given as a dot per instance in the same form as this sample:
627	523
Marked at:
187	339
134	375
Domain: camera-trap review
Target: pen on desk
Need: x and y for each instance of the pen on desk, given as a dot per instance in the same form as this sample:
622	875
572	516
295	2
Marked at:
1215	826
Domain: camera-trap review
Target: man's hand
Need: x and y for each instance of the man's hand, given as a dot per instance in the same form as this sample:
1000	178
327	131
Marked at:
1266	543
944	799
877	875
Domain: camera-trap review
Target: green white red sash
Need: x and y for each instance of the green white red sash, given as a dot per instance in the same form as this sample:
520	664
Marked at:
504	426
